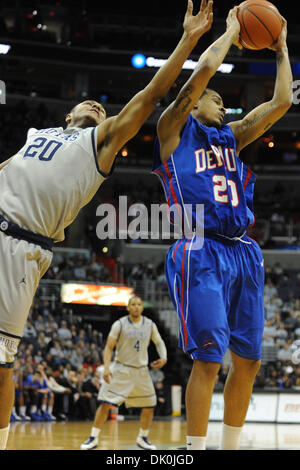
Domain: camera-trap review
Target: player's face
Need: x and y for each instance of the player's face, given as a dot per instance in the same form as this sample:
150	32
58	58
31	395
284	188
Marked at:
210	109
87	114
135	308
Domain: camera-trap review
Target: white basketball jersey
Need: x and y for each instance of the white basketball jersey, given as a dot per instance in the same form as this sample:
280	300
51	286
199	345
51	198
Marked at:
133	341
50	179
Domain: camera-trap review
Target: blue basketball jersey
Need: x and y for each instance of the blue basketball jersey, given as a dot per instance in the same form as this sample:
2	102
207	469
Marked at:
205	169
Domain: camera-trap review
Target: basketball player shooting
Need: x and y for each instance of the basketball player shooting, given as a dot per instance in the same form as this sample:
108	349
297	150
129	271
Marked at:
218	290
48	181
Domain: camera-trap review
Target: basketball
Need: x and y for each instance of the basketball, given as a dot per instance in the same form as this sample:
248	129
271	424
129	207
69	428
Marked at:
261	24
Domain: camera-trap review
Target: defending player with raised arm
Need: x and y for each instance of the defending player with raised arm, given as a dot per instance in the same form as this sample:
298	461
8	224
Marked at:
49	180
114	132
217	286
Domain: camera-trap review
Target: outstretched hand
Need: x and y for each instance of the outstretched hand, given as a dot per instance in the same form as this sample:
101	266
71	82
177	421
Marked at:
196	26
233	24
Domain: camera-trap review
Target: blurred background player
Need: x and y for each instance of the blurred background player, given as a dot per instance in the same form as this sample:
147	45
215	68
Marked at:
218	290
56	173
130	380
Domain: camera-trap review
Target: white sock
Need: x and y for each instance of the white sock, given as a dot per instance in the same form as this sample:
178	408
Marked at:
230	437
33	409
196	442
143	432
23	410
3	437
50	409
95	432
44	408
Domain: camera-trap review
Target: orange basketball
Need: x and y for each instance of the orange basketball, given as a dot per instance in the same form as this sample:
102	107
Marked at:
261	24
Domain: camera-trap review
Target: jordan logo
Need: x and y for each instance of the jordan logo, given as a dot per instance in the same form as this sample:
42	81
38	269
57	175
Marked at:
23	281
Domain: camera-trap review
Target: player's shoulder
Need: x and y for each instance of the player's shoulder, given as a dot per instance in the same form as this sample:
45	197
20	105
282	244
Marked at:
121	320
148	321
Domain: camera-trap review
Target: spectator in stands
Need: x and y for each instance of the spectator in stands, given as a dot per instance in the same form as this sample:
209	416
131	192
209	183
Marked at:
64	333
86	397
286	381
61	395
51	326
296	384
42	342
77	358
270	332
291	323
273	381
19	409
285	353
29	331
31	384
39	324
270	290
281	334
97	339
161	407
45	395
57	353
277	270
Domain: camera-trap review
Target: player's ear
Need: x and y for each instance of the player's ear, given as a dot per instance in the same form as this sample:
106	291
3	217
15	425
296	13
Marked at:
68	118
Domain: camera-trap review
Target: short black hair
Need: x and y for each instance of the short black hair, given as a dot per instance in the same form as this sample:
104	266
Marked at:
206	91
134	297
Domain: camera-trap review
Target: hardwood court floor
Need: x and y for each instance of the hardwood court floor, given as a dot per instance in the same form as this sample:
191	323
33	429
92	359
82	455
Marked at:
166	434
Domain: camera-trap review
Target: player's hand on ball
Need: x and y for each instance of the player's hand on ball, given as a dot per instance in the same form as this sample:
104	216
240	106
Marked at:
281	41
233	24
158	364
196	26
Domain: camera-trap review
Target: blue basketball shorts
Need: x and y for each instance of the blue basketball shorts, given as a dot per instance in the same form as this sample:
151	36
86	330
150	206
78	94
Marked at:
218	294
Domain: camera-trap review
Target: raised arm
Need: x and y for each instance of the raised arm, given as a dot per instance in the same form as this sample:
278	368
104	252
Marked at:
174	118
260	119
116	131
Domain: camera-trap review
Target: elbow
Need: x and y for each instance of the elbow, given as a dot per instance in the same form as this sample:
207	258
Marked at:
285	103
206	66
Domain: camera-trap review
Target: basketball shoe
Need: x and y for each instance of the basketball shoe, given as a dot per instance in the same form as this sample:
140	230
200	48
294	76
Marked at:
143	443
90	443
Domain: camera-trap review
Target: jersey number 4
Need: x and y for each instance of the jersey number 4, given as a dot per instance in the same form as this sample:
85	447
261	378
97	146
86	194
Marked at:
221	190
44	149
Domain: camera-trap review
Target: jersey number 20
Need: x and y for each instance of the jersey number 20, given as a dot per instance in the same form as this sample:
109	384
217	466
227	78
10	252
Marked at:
221	190
43	148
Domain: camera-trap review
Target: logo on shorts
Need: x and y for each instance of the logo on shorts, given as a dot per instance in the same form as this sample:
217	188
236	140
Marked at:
208	344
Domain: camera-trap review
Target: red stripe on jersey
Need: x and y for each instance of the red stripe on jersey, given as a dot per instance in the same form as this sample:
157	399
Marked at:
172	189
249	174
182	296
165	183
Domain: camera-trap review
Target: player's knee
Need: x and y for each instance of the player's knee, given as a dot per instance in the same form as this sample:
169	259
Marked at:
247	367
206	370
5	376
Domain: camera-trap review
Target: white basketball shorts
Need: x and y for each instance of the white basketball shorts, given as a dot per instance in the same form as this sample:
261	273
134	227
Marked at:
21	268
129	385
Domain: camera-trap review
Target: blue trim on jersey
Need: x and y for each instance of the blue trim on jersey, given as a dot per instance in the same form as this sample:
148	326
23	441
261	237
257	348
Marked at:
105	175
7	365
13	230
